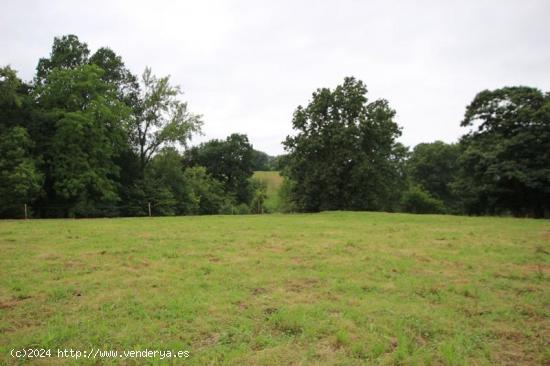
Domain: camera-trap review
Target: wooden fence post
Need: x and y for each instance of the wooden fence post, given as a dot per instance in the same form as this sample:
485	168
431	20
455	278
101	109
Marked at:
25	211
149	204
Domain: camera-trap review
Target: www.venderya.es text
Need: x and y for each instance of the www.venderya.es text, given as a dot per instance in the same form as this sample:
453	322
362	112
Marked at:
96	353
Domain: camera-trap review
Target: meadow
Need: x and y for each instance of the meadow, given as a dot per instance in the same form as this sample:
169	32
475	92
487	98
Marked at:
273	181
336	288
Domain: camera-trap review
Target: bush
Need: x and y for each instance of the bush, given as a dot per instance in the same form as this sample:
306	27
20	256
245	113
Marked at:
259	195
416	200
206	194
150	191
285	196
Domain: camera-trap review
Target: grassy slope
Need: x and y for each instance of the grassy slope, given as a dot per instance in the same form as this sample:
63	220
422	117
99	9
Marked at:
330	288
273	181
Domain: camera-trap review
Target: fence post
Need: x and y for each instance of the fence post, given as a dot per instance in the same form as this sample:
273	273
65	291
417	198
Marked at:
149	204
25	211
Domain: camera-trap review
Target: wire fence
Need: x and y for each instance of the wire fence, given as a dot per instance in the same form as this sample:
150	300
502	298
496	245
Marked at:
29	211
138	209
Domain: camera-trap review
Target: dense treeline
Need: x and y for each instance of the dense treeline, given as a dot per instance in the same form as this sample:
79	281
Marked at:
345	157
88	138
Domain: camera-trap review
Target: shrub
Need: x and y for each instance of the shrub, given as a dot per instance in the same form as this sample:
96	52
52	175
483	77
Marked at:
259	195
285	196
416	200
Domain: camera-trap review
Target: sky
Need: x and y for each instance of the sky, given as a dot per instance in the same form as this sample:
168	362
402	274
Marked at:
246	65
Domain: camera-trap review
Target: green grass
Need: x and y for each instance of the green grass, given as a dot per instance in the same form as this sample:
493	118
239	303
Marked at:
273	180
331	288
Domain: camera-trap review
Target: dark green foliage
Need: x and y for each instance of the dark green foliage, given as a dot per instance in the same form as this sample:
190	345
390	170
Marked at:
116	73
287	204
264	162
417	200
150	191
207	195
167	171
173	190
86	138
67	53
433	167
228	161
344	156
278	163
86	130
20	180
260	161
259	195
11	99
505	165
20	176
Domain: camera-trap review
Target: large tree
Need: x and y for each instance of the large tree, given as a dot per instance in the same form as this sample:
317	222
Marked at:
15	103
506	161
344	154
229	161
433	167
85	123
67	53
20	178
116	73
160	118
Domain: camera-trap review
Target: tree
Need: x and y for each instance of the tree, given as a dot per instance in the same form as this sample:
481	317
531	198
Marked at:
207	195
260	160
344	155
166	170
15	104
86	122
116	73
505	165
149	191
417	200
10	99
259	195
160	119
228	161
67	53
20	180
433	167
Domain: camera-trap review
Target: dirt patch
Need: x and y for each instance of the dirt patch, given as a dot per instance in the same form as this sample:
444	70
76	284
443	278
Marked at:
535	268
9	303
208	341
48	256
241	304
73	264
270	311
258	291
298	285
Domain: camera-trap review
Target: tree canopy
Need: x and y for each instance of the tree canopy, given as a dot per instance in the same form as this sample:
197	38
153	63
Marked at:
230	161
87	137
505	165
344	154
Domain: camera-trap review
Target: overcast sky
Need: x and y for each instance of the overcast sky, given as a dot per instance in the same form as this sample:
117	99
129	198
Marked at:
246	65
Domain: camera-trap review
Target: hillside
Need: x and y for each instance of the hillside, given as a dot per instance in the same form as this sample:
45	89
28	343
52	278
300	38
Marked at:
273	180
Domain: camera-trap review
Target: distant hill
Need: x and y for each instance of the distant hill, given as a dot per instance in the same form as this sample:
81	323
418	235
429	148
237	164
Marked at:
273	180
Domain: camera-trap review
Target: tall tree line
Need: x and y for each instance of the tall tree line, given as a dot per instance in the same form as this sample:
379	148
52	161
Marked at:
344	156
86	137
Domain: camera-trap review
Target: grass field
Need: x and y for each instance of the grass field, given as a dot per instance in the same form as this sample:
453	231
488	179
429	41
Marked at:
330	288
273	180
